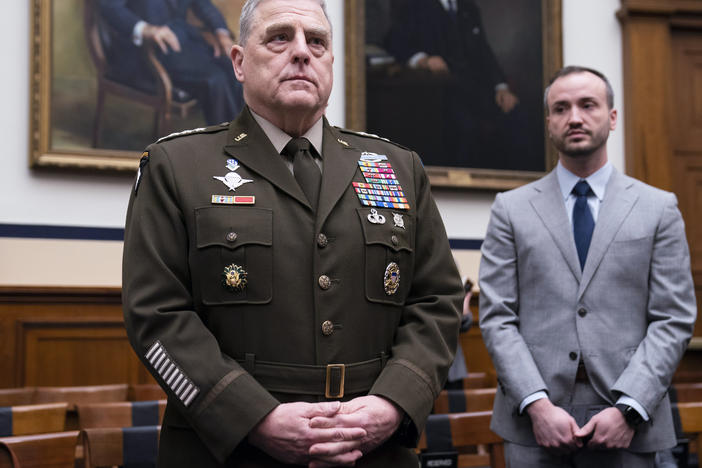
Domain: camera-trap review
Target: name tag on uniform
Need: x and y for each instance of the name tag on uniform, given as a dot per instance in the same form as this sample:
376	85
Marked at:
233	200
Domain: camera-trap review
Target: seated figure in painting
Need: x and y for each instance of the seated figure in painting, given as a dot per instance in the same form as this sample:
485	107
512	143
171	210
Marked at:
199	67
444	42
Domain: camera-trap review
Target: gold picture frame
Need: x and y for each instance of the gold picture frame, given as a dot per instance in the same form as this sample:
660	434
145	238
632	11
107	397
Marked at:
58	50
453	177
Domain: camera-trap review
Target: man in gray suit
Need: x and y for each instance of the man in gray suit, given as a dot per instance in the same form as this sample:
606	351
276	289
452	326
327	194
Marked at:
586	298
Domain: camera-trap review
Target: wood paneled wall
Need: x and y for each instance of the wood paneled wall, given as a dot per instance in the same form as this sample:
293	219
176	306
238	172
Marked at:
663	94
58	336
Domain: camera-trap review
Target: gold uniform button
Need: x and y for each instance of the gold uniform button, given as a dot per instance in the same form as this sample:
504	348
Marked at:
324	282
322	240
231	236
394	240
327	328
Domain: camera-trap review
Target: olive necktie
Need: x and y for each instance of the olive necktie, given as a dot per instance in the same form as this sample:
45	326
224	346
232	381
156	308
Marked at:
306	171
583	223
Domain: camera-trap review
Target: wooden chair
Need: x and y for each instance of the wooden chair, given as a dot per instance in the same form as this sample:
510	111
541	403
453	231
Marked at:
80	394
121	414
466	400
145	392
477	380
160	99
54	450
32	419
461	432
17	396
685	392
108	447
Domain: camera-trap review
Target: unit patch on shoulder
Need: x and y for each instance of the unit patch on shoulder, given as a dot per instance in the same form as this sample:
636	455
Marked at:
192	131
142	164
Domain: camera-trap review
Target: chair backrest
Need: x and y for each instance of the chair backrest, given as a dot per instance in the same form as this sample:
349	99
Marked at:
121	414
691	419
457	431
686	392
82	394
465	400
32	419
54	450
145	392
116	446
17	396
477	380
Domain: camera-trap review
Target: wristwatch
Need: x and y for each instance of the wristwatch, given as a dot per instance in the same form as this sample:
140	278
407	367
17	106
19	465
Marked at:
632	417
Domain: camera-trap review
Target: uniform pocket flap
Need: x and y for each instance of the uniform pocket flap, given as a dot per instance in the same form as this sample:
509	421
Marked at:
387	227
233	226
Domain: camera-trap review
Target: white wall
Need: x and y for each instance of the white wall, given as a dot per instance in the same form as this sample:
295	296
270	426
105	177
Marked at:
591	37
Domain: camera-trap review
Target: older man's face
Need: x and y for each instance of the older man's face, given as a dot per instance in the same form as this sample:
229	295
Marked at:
286	63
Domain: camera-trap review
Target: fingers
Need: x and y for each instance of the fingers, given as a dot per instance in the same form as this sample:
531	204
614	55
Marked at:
323	409
346	459
586	430
333	449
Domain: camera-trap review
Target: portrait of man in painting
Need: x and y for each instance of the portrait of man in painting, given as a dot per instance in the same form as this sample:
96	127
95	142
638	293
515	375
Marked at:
134	70
459	81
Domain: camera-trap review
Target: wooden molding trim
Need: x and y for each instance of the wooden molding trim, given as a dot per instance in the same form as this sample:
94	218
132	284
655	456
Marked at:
55	294
659	7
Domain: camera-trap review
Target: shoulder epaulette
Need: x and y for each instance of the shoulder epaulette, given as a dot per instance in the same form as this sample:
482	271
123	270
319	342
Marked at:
192	131
369	135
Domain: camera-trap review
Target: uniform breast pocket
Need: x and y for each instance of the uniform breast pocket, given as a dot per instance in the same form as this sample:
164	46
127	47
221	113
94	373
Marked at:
389	261
233	262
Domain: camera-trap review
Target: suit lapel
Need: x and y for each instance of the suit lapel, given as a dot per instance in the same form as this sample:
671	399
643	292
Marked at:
340	165
617	204
549	206
249	144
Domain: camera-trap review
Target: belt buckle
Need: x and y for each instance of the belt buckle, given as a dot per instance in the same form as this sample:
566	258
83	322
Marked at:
327	387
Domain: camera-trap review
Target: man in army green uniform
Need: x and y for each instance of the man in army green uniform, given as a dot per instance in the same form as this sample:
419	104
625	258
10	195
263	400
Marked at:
288	283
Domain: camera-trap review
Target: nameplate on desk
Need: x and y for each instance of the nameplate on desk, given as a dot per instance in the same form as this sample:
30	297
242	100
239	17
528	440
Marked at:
438	459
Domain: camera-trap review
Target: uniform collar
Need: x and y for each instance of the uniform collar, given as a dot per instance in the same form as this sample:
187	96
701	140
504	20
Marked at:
279	138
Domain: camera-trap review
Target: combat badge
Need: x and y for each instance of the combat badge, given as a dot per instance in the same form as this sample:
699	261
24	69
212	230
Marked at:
234	278
232	179
392	278
398	220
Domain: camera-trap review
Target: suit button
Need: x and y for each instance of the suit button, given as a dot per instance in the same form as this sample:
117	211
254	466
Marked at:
582	312
394	240
327	328
324	282
231	236
573	355
322	240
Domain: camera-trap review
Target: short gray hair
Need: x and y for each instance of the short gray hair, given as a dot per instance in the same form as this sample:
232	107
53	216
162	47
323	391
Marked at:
569	70
247	14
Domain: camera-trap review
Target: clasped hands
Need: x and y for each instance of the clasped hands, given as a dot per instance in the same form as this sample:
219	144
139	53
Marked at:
328	433
556	430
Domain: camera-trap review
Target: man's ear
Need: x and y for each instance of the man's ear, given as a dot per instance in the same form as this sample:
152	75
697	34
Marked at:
237	56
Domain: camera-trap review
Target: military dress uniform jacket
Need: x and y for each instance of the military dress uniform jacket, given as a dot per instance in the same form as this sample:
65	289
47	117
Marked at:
303	292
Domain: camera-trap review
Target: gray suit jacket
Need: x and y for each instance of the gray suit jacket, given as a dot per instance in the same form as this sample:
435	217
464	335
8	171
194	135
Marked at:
628	315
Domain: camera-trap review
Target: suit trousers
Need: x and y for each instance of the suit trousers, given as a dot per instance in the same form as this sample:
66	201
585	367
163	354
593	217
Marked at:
584	404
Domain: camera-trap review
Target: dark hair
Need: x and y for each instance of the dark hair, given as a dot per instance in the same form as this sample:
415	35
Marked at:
569	70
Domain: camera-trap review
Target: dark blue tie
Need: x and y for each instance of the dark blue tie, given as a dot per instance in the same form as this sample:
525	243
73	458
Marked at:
583	224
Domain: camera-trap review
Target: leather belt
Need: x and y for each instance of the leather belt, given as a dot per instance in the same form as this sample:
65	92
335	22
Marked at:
581	374
332	380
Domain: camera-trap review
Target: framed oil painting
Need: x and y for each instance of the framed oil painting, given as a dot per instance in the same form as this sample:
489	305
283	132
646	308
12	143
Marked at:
93	108
459	81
